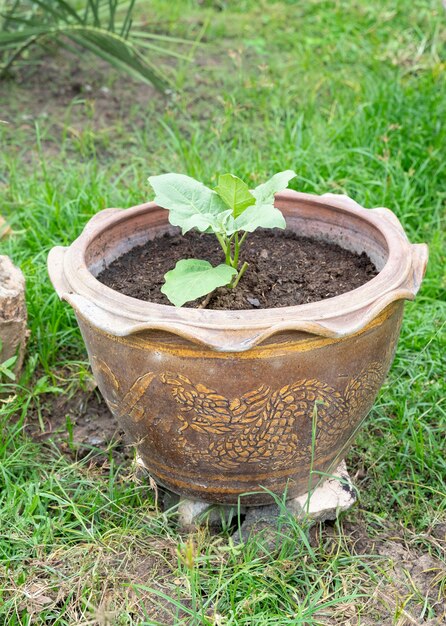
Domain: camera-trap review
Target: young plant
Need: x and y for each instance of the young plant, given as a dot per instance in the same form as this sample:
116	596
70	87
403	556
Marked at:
230	212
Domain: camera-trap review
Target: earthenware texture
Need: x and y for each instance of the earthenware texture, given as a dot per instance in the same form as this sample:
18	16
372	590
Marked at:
224	403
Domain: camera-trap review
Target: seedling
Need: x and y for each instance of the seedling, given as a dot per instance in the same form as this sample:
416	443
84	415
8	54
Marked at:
230	212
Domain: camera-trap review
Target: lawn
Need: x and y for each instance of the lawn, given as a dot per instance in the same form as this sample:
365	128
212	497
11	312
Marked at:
350	94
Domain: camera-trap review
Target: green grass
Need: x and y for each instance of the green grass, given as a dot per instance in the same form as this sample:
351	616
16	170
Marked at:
350	94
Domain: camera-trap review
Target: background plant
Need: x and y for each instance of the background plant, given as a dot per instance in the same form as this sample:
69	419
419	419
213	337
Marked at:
230	212
104	27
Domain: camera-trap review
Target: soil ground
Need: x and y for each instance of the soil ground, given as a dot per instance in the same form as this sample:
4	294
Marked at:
284	269
79	424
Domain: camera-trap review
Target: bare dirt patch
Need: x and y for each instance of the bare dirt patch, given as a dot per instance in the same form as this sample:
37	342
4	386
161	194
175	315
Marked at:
101	582
407	584
73	90
79	424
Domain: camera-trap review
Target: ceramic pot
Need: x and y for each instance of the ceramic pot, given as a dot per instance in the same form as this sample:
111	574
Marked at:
221	403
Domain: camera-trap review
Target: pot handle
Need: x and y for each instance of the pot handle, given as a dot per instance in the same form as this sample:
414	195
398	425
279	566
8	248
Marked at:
420	251
56	273
390	217
420	255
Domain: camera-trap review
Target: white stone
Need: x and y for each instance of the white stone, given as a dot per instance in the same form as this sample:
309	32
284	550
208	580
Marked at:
190	511
335	495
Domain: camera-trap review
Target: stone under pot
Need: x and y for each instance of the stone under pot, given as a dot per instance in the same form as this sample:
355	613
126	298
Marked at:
223	403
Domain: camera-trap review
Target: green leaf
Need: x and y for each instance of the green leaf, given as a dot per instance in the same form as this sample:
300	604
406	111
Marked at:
259	216
119	53
192	278
263	214
264	194
235	193
191	204
6	367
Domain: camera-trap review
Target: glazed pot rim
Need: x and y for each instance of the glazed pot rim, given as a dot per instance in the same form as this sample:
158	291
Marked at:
337	316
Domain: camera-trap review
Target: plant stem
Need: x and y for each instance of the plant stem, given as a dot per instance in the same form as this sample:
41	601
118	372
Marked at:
237	245
232	261
236	250
242	240
206	301
228	252
239	275
222	241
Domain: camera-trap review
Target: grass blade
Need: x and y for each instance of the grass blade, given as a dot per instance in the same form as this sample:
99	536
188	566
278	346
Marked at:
127	20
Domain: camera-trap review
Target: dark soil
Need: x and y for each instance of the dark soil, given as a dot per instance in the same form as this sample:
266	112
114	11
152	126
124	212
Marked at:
284	270
79	425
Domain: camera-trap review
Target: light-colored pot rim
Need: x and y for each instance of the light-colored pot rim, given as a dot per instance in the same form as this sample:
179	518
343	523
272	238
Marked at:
230	330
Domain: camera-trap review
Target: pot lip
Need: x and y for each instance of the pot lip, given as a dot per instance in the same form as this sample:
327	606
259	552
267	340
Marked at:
391	283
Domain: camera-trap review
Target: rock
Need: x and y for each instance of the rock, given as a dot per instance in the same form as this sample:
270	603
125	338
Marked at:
193	513
95	441
13	315
334	495
261	521
439	531
255	302
190	511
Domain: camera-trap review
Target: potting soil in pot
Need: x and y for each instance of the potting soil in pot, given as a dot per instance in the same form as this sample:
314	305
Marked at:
284	269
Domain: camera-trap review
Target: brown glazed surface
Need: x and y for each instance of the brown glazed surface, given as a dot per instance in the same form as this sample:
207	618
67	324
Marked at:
221	403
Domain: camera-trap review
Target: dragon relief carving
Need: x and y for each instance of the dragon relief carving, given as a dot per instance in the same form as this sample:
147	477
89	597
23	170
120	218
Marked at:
263	425
269	425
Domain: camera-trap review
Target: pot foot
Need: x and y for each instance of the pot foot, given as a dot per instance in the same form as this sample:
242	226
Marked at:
335	495
326	502
194	513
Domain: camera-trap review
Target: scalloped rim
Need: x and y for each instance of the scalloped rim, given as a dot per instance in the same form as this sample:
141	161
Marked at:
342	315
